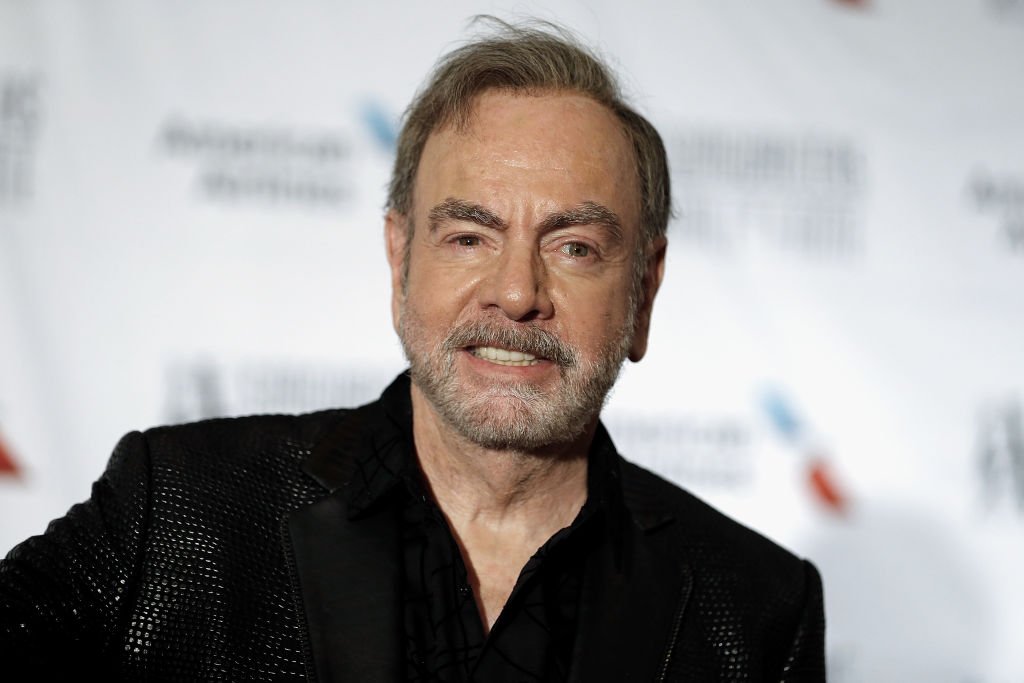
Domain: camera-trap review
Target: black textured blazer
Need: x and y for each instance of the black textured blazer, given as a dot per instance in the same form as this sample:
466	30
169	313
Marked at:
221	550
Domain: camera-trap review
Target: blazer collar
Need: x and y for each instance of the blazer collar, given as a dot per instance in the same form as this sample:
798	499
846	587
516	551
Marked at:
347	576
369	450
345	549
632	603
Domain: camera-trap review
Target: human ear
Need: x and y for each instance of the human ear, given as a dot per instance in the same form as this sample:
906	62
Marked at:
654	271
396	234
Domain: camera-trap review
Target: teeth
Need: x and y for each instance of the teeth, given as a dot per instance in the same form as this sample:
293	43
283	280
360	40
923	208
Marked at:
504	356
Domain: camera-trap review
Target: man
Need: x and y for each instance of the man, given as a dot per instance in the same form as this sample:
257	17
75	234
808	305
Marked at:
475	523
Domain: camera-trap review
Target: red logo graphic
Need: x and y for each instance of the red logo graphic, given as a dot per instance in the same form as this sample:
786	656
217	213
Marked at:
8	467
822	481
826	488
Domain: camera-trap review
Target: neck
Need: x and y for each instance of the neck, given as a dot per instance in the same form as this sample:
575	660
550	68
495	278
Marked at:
499	486
501	505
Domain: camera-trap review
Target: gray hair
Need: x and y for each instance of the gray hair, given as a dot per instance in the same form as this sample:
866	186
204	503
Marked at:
535	57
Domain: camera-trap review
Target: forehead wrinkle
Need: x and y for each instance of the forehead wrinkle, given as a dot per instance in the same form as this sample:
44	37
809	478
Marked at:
587	213
454	209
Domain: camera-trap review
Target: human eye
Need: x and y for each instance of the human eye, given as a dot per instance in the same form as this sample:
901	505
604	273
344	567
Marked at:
576	250
466	241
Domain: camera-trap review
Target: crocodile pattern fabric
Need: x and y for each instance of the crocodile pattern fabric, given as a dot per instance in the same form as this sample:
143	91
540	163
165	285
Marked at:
187	564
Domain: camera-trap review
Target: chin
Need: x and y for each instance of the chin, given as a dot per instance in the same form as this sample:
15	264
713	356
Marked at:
511	422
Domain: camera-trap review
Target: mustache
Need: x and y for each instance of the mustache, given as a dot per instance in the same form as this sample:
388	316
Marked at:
532	340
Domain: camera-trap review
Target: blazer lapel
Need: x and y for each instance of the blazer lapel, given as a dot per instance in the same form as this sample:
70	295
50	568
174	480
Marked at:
630	611
346	563
349	580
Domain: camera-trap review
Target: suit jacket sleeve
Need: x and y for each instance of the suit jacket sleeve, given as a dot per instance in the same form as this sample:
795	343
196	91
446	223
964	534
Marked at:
805	662
61	592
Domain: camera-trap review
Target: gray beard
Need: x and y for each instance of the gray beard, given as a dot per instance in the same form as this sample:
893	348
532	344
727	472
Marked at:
513	416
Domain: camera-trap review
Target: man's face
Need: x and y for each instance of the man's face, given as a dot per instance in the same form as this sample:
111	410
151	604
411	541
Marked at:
517	306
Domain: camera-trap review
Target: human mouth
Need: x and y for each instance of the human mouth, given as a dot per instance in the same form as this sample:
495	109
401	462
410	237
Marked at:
501	356
524	346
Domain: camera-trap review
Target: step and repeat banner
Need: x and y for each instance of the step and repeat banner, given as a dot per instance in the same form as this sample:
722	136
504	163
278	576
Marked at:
190	226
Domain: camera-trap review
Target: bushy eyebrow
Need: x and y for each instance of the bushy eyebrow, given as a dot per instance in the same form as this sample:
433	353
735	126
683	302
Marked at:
453	209
587	213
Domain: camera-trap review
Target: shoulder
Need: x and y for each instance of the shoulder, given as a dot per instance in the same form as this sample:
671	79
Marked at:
214	468
240	450
242	434
747	594
705	537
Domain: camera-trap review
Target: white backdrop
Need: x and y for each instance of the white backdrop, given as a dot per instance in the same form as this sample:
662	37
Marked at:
190	225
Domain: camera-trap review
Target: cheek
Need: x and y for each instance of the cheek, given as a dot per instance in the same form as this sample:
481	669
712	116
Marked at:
441	287
430	300
591	314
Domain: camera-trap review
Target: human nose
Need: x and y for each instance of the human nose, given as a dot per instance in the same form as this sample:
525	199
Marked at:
517	285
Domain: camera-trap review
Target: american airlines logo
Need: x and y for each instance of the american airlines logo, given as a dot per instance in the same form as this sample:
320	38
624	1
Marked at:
269	164
702	451
8	466
822	482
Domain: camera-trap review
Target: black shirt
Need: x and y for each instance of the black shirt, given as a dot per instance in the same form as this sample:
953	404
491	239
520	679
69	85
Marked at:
532	639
